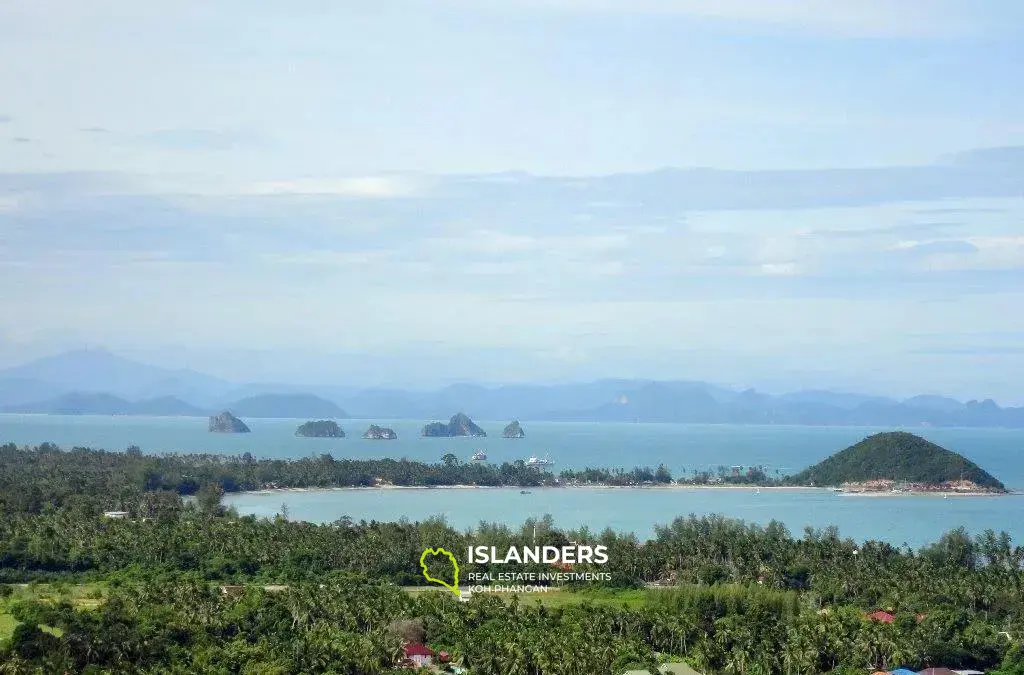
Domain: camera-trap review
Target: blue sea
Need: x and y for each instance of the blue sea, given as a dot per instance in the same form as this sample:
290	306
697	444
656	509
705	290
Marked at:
682	448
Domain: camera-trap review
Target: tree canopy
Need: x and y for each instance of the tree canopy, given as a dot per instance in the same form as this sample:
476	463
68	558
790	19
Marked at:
730	598
899	456
320	429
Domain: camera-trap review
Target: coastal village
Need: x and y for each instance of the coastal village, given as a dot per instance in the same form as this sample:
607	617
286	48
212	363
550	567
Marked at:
883	486
419	657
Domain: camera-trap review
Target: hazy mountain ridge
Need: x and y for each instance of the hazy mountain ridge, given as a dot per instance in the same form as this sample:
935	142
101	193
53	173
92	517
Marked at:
100	403
98	370
620	400
287	405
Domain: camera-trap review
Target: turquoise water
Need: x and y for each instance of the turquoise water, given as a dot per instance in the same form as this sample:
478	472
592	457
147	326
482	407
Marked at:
898	520
681	447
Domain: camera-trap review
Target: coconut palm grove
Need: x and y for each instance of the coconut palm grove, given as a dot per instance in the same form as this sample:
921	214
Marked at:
116	562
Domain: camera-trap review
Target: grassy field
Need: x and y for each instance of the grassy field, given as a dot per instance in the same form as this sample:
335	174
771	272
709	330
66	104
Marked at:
7	624
82	596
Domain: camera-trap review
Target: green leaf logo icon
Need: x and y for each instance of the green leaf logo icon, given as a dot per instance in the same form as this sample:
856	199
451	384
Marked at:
454	586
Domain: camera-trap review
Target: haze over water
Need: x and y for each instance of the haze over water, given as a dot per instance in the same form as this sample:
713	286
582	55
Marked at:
913	520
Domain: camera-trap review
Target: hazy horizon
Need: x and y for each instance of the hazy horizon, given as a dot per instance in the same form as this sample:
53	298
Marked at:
415	194
353	387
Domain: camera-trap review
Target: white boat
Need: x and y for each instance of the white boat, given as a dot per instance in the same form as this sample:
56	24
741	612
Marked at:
534	460
479	456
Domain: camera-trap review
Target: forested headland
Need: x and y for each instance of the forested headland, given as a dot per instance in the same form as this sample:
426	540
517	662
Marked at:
33	477
898	456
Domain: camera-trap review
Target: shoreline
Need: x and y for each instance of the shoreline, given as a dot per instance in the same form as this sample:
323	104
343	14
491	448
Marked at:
383	488
929	493
755	488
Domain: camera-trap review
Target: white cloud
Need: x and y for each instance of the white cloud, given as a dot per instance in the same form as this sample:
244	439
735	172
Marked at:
834	17
610	268
996	242
992	253
603	242
484	268
779	269
492	242
328	257
369	187
968	253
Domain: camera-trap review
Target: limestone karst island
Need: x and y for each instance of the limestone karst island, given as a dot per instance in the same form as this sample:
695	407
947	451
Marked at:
226	423
320	429
378	433
458	425
513	430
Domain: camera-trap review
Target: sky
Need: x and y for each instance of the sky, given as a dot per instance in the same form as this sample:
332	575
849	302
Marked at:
783	195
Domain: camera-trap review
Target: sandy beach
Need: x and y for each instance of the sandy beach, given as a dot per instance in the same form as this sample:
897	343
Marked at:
926	493
364	488
752	488
673	486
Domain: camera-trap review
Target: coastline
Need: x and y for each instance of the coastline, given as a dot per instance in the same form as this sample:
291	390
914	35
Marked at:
361	488
929	493
748	488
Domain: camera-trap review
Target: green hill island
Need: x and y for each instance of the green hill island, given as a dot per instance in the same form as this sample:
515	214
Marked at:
378	433
898	461
320	429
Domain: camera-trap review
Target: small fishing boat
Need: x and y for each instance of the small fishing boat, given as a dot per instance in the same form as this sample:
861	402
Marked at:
479	456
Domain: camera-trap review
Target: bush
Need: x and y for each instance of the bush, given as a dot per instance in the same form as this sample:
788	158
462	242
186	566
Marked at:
1013	662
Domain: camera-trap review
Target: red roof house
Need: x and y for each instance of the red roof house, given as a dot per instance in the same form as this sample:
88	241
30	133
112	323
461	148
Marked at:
881	617
420	656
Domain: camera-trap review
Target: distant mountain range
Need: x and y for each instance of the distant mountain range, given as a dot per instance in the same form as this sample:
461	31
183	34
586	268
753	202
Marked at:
93	403
97	370
286	405
98	382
